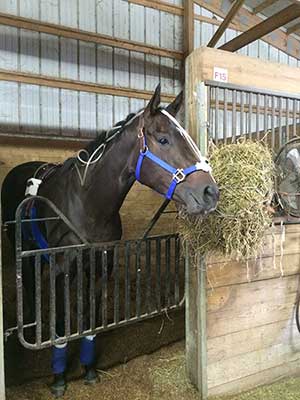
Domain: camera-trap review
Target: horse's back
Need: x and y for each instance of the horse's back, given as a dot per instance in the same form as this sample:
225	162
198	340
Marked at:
13	188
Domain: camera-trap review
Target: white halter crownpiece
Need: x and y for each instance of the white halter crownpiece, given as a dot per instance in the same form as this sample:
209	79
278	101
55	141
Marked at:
202	163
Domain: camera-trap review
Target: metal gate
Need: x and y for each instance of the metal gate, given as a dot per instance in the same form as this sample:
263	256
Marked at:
147	279
235	111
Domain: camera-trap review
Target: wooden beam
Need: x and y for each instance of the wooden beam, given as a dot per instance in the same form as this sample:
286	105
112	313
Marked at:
226	22
267	26
78	34
246	20
265	4
188	27
69	84
293	29
160	5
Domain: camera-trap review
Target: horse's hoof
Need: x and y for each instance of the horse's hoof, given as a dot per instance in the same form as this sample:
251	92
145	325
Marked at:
91	376
59	386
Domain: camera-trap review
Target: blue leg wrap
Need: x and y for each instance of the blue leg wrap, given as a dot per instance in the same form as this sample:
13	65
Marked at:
87	350
59	359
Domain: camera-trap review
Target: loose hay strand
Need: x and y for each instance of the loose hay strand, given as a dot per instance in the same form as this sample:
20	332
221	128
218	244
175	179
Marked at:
244	173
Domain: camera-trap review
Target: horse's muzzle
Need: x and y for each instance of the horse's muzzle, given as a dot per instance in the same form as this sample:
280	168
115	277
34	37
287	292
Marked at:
203	201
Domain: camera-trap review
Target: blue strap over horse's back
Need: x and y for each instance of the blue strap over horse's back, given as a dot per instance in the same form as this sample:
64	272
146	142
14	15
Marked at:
34	232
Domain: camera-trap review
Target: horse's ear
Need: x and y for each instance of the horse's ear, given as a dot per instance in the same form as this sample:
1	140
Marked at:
154	102
174	107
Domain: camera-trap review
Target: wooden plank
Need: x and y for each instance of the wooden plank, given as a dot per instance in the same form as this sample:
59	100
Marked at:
253	339
70	84
262	6
73	33
249	364
263	377
242	70
160	5
188	27
226	22
202	330
293	29
267	26
265	268
191	320
26	139
2	366
251	304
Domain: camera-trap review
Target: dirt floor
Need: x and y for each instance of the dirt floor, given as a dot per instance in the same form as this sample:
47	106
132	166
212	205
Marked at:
159	376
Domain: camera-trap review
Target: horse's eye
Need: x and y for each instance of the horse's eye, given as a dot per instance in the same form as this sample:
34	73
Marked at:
163	141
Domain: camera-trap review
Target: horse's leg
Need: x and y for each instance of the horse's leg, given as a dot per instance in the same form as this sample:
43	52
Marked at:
88	343
59	351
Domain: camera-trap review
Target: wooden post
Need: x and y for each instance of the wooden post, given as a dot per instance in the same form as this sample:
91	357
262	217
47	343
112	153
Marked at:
195	275
2	376
188	27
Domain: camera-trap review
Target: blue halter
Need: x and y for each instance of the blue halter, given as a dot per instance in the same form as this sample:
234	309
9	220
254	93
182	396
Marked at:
178	174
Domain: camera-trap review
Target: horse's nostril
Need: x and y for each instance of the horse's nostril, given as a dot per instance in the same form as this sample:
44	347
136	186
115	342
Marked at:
210	192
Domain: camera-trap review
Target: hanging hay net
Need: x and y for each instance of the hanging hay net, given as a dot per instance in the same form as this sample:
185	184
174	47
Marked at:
244	173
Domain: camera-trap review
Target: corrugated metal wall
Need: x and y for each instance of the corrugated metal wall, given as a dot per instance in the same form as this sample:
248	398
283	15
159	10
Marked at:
29	108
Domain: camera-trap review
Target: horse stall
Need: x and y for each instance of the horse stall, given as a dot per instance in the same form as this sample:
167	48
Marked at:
53	118
70	73
240	317
147	282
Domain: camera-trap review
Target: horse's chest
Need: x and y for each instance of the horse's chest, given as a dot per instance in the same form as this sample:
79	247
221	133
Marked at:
97	230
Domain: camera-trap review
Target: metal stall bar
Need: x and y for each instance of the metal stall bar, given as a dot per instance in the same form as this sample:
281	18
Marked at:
79	292
116	285
275	112
38	300
104	281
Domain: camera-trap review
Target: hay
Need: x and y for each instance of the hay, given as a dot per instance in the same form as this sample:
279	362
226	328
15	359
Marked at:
244	173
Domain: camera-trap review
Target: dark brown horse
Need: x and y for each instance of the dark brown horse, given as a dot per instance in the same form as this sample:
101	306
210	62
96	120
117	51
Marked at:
149	146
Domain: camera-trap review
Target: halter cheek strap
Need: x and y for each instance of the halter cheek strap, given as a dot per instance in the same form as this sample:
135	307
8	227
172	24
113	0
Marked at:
178	175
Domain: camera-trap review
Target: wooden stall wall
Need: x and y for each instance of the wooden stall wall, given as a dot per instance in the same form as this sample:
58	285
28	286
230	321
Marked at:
251	338
252	334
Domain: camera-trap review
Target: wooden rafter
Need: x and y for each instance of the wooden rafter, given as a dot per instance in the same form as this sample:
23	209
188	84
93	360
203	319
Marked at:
293	29
265	4
226	22
267	26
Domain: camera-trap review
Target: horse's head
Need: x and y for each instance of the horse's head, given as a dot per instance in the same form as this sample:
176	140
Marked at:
171	163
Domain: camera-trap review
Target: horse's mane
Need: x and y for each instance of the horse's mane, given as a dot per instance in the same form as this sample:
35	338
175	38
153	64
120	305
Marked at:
95	143
103	134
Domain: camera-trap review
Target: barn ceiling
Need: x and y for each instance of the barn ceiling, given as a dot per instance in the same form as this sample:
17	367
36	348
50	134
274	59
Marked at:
267	8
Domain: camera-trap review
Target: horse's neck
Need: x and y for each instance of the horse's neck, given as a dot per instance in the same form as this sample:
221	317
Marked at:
111	178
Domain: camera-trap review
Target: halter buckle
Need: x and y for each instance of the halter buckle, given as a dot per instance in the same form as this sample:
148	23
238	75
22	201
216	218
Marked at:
179	176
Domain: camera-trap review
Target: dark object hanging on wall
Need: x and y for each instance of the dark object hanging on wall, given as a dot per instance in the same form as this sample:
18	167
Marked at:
287	163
